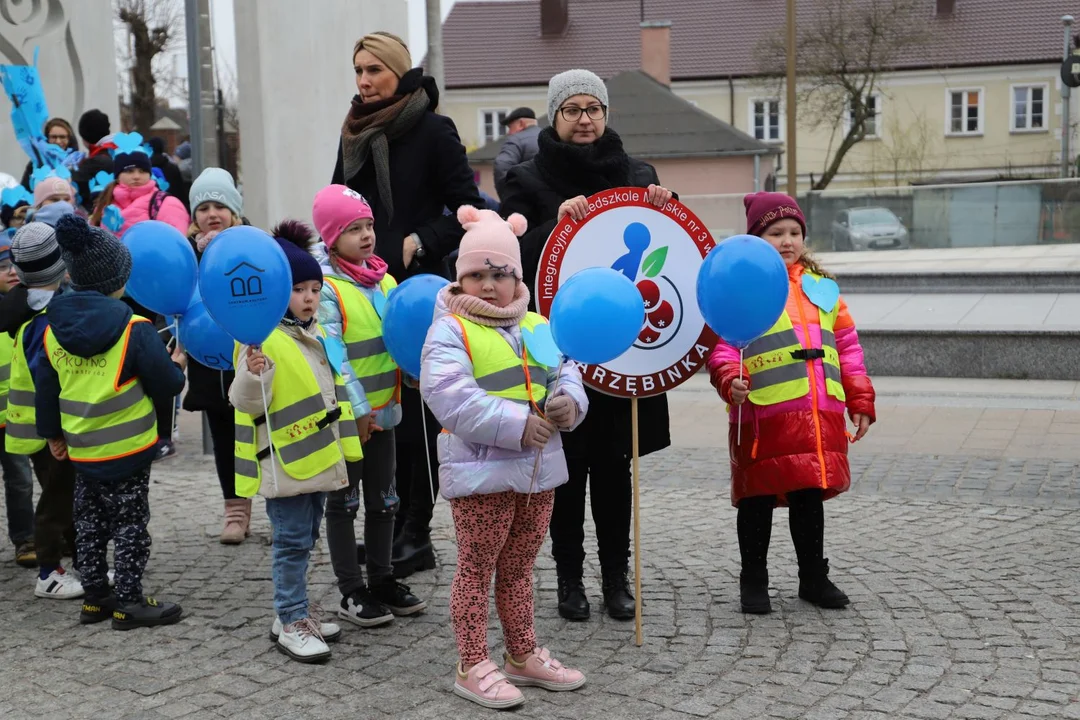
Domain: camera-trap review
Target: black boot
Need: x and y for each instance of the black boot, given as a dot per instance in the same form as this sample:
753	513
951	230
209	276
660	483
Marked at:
412	553
754	592
573	603
816	587
148	612
617	596
807	522
95	610
755	529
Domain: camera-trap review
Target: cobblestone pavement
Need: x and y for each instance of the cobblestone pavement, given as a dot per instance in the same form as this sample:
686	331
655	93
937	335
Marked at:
963	574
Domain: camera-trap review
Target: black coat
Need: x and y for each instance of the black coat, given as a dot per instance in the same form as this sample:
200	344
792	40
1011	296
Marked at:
86	171
429	173
177	187
536	189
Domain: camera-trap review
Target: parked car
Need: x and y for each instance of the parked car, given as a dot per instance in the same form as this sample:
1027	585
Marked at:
868	228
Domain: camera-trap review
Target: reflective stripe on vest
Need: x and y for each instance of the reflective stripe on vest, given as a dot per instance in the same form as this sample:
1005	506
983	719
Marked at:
361	330
297	410
498	369
21	435
6	344
102	419
776	376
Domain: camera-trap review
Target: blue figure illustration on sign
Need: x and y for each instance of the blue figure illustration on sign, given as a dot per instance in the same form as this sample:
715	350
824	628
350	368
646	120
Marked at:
663	302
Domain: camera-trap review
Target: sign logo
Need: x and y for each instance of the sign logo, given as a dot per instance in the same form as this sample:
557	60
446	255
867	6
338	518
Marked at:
660	250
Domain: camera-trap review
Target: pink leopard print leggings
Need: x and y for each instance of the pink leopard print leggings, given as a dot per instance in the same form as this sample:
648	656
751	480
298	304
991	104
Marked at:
496	534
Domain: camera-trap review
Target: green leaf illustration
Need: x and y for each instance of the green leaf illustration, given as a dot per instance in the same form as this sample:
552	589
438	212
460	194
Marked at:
654	263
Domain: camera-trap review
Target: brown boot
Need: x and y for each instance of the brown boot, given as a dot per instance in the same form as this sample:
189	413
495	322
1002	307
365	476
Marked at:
237	521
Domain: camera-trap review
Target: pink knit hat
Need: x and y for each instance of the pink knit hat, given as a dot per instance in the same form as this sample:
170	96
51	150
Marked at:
489	241
335	208
50	186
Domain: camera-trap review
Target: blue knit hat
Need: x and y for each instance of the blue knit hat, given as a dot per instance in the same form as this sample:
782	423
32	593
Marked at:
216	185
296	239
124	160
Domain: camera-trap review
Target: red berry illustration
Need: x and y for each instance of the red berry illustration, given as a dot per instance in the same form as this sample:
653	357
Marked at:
650	293
648	336
662	316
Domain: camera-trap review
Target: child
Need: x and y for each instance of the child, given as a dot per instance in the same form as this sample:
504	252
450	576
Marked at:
794	437
137	196
18	483
52	189
489	394
354	276
40	269
216	205
292	370
95	405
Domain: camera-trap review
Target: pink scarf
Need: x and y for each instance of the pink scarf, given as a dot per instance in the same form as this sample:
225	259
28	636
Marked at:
482	312
369	273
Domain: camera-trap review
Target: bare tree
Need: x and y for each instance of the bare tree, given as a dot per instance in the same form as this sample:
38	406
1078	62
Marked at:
906	147
842	52
152	27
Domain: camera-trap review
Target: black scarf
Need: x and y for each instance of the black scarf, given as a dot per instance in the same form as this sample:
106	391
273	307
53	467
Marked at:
291	320
573	170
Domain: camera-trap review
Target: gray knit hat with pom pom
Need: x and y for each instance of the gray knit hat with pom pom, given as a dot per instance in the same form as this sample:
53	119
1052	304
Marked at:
96	260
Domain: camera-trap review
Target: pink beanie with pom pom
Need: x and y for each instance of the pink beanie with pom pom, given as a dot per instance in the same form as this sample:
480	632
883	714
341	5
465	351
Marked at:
489	243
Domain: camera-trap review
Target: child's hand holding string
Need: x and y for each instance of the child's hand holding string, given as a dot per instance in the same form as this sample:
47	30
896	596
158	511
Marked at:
862	423
256	361
537	432
740	390
562	411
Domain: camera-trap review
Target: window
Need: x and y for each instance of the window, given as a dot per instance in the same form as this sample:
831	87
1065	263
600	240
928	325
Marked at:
965	113
491	127
873	109
765	120
1028	108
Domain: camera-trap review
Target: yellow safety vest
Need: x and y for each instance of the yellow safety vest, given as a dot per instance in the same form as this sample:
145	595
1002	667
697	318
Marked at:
498	369
6	345
300	426
777	361
102	419
21	436
361	330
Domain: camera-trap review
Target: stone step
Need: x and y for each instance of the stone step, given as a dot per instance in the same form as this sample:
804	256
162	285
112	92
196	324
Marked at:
1021	281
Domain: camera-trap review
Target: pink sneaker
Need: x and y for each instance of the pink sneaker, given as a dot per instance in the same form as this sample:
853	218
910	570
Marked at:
543	671
486	686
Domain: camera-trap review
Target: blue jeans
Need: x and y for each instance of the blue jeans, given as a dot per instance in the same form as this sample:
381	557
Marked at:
19	495
295	522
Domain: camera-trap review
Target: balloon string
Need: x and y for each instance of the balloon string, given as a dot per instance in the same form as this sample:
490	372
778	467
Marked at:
427	450
738	433
269	430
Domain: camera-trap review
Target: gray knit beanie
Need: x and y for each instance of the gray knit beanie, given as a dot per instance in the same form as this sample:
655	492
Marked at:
216	185
36	255
570	83
95	258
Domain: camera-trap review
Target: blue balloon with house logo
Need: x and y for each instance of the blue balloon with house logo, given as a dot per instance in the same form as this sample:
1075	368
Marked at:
163	267
245	283
203	339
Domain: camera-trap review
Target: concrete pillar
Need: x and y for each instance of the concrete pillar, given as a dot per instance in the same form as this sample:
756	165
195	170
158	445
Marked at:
77	62
295	83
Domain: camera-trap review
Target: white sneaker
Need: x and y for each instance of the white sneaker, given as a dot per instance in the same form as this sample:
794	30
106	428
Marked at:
59	586
302	642
330	632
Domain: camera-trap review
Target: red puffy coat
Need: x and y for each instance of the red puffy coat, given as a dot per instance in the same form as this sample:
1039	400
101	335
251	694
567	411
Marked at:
800	443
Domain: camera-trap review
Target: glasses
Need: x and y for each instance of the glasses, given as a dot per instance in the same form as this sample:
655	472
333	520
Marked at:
572	113
58	138
6	267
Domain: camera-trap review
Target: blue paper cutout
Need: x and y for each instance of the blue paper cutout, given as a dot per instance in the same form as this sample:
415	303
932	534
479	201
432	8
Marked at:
29	112
128	143
378	300
12	196
100	181
541	345
335	354
824	292
112	219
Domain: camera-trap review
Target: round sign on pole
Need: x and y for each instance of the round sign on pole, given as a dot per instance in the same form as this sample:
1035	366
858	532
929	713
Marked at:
660	250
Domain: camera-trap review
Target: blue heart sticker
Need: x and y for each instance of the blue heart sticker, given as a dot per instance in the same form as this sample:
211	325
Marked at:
541	345
379	301
824	292
335	354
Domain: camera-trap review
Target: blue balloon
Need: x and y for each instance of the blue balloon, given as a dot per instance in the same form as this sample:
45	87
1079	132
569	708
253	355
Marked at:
163	267
742	289
407	319
596	315
245	283
204	340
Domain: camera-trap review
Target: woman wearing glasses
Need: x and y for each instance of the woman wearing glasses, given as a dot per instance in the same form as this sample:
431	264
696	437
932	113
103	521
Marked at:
58	131
579	156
